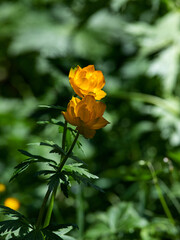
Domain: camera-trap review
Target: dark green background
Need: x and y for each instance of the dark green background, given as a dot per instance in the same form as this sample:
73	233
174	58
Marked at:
136	44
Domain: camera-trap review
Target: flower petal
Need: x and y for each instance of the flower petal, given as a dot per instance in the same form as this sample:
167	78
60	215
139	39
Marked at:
89	68
86	132
100	94
87	81
99	123
100	109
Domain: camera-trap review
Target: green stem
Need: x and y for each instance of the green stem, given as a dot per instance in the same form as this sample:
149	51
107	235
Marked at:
50	208
160	194
64	136
68	153
42	209
51	203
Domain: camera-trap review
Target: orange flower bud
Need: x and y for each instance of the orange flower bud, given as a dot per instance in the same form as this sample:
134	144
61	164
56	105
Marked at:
12	203
86	114
87	81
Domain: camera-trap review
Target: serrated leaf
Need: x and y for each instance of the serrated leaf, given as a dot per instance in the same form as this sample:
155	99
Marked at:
77	159
39	158
10	225
63	231
62	176
9	211
25	164
34	235
55	148
50	235
15	238
77	177
23	230
64	188
21	168
53	166
45	172
54	181
76	167
55	227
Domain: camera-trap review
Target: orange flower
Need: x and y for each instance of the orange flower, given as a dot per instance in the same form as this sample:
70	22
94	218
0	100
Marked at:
86	114
12	203
87	81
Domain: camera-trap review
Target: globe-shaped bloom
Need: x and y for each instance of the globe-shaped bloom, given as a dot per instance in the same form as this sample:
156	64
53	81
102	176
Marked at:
86	114
87	81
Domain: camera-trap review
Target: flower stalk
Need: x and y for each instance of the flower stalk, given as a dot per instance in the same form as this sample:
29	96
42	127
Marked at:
42	209
53	193
50	208
160	194
68	153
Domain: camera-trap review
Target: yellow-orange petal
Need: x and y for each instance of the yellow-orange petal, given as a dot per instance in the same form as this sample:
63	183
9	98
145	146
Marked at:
76	89
73	71
86	132
69	118
12	203
90	102
74	101
99	123
100	94
99	109
100	79
84	114
89	68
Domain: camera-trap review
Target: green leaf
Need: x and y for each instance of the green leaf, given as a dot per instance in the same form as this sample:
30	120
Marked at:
23	230
55	148
43	122
25	164
34	235
36	157
50	235
11	212
11	225
76	167
45	172
15	237
64	188
54	182
77	177
55	227
57	122
52	121
77	159
20	223
53	107
53	166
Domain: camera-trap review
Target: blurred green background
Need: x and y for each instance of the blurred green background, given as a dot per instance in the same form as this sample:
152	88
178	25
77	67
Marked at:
136	44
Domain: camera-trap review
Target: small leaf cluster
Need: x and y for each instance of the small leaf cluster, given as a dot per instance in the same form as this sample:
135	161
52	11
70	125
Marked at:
58	174
27	230
73	171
